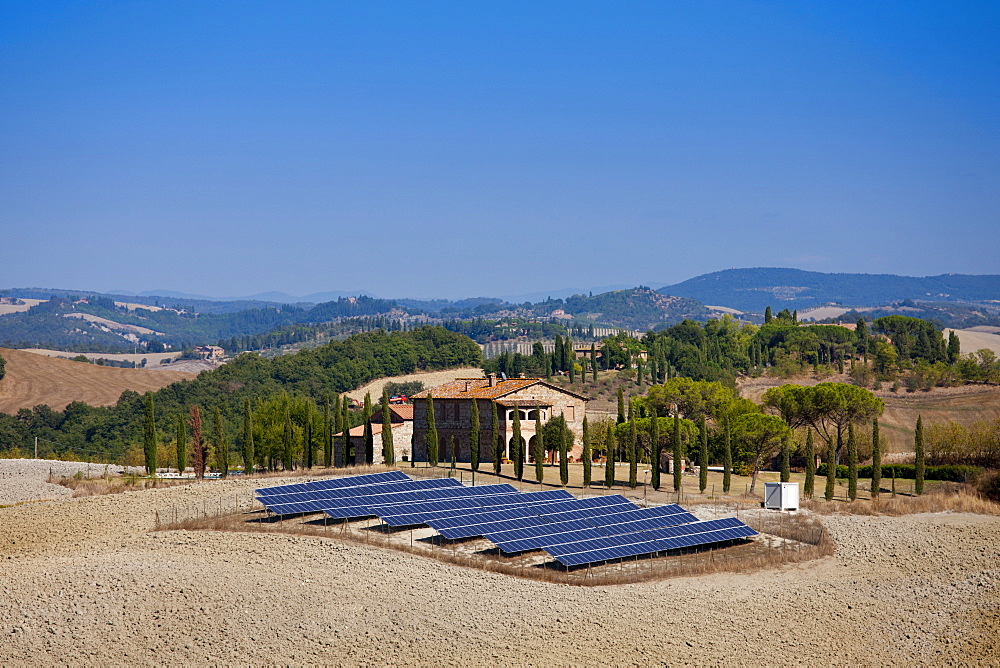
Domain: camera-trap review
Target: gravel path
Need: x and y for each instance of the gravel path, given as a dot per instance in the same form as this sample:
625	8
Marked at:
86	582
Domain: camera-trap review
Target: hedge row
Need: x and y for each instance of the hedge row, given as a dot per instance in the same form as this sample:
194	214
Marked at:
951	473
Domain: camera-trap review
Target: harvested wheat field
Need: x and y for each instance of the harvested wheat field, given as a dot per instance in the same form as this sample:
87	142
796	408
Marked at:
36	379
87	581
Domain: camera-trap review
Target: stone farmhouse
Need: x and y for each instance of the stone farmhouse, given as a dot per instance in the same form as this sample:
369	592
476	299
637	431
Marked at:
530	397
401	418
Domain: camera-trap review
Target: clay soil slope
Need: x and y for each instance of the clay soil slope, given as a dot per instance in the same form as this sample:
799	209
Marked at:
35	379
964	405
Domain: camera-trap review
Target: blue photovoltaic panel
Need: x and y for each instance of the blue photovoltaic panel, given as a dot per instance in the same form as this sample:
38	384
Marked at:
367	505
468	515
349	481
616	516
355	480
470	531
283	489
406	514
468	526
603	549
649	542
289	504
375	488
573	531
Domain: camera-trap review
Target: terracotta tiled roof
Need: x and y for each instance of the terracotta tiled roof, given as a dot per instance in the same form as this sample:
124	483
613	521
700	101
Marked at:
359	431
479	388
400	413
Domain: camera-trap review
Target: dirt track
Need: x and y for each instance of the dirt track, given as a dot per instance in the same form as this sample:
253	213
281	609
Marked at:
36	379
86	582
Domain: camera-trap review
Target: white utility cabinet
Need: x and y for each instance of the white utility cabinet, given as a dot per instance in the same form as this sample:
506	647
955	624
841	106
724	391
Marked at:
781	495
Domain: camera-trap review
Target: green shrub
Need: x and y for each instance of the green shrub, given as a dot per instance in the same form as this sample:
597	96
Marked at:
951	473
989	486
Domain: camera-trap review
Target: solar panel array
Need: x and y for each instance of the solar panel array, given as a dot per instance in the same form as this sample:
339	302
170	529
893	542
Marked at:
573	531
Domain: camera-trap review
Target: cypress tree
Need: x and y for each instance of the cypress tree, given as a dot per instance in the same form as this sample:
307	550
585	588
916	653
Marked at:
876	459
633	459
248	445
655	448
892	474
334	429
678	452
327	432
572	369
307	442
593	360
831	470
810	465
538	449
149	436
727	464
768	315
432	433
388	447
586	454
703	458
852	463
557	355
495	443
565	438
474	435
221	447
286	438
621	405
918	457
609	461
345	425
517	446
181	445
786	464
454	454
199	452
369	432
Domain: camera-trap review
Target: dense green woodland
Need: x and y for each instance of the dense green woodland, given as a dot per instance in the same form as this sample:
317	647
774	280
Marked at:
308	377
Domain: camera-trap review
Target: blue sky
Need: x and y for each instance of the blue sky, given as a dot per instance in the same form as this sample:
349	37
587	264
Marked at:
446	149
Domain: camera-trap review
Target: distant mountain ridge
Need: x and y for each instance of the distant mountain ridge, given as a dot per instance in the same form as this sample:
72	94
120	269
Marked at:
754	289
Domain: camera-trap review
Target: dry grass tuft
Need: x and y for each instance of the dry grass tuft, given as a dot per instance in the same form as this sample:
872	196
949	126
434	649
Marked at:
100	486
960	499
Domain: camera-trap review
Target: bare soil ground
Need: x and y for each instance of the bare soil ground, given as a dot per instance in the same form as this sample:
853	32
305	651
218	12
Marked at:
977	338
965	405
87	582
36	379
428	378
19	308
152	359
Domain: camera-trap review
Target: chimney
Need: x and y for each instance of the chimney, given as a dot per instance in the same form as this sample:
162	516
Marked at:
493	379
467	385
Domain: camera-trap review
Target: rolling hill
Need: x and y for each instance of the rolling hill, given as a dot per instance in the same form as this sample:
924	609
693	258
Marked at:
754	289
36	379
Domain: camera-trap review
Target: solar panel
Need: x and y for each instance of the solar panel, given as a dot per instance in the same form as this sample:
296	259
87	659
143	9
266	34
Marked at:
364	506
365	490
472	530
649	542
282	489
355	480
593	526
405	514
289	504
348	481
467	526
